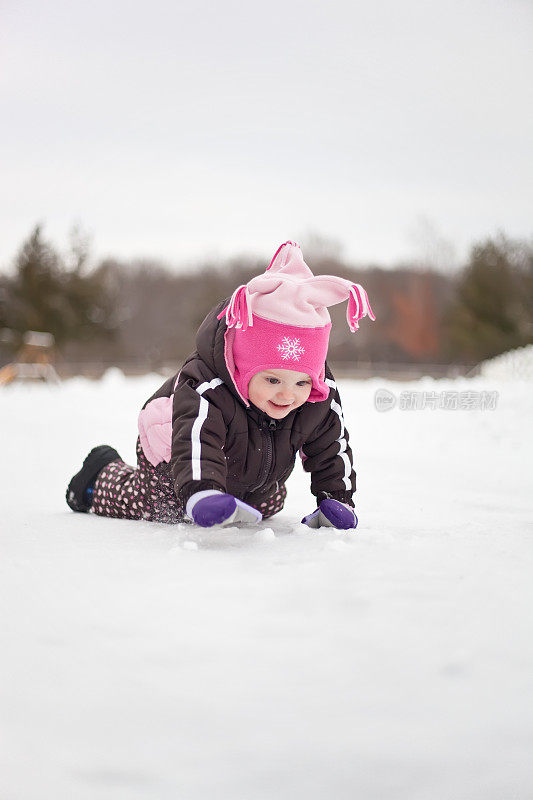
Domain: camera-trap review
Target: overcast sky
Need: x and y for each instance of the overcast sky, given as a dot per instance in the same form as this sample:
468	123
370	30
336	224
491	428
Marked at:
179	130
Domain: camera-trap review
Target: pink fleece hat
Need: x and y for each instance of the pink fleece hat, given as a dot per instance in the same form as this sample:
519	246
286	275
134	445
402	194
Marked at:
280	320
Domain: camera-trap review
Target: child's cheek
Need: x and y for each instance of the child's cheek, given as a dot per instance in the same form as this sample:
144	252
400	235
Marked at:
305	396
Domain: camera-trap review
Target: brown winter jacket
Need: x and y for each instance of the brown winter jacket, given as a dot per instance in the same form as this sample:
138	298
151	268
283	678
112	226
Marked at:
216	442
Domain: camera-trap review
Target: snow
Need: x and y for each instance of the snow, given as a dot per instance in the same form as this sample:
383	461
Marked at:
150	661
515	364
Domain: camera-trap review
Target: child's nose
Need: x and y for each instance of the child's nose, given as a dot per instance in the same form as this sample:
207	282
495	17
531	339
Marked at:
286	395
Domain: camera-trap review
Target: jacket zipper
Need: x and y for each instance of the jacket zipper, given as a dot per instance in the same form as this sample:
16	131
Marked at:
266	432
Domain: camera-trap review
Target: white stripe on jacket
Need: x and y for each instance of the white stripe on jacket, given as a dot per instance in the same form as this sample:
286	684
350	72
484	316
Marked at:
196	443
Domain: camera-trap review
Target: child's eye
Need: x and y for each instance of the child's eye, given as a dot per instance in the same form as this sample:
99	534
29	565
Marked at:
303	383
272	380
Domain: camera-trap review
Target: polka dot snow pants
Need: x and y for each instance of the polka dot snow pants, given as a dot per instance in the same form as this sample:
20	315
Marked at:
147	492
274	503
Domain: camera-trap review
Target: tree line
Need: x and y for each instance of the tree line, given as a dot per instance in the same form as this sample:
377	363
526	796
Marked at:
140	312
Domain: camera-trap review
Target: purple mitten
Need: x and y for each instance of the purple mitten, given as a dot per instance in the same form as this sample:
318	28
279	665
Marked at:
332	514
341	516
213	510
212	507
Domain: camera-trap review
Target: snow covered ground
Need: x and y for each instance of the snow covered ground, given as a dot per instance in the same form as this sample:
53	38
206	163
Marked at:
155	662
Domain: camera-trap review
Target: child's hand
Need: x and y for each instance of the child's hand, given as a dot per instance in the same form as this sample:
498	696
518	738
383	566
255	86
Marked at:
332	514
212	507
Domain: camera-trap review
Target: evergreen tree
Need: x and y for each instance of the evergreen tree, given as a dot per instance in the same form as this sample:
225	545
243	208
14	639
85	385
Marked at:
492	309
47	295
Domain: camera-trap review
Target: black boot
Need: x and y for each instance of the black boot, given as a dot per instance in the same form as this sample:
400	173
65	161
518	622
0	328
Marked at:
98	458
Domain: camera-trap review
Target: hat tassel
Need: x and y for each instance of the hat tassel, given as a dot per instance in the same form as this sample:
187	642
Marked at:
238	312
358	306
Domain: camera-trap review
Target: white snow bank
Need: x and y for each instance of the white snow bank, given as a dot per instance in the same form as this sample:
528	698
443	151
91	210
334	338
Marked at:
155	662
517	364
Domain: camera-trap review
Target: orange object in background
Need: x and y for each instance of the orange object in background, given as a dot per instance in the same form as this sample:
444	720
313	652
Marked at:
34	360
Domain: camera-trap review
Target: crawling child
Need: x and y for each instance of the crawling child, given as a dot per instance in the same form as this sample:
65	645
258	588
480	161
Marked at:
218	441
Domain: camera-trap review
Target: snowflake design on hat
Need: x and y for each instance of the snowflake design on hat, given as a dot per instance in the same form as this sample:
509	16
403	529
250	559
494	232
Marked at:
290	349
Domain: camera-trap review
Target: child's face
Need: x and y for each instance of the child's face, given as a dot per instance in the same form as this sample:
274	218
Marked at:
277	392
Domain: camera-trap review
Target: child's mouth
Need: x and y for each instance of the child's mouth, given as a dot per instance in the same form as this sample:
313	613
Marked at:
277	405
